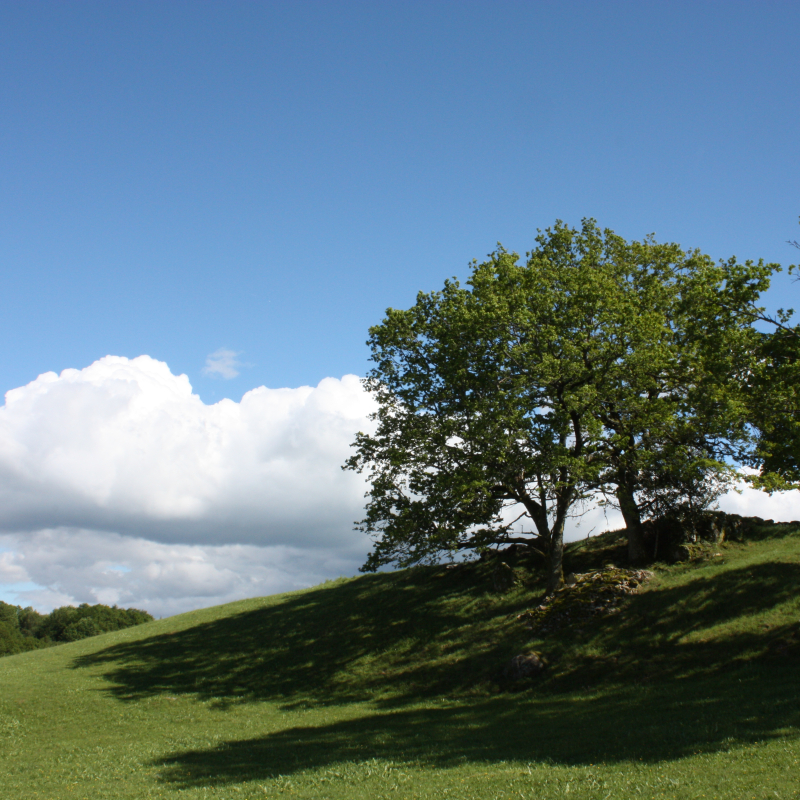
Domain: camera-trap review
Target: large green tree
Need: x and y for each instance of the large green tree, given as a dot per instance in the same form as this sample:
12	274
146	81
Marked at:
597	365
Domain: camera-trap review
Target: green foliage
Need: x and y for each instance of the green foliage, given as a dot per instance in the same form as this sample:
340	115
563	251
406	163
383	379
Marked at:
24	629
68	624
15	636
598	365
386	686
775	401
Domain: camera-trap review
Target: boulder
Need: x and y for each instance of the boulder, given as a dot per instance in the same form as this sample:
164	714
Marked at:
523	666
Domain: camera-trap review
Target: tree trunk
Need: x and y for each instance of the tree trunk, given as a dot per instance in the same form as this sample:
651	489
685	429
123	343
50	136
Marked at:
553	538
633	524
555	562
555	558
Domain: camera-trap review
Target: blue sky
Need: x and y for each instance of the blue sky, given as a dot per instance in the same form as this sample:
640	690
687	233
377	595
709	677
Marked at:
267	178
260	181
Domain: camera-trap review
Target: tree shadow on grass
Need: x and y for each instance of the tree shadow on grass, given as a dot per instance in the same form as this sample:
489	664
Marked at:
399	638
655	724
317	645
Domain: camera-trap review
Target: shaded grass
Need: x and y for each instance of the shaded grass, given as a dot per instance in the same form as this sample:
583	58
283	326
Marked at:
392	684
655	724
394	637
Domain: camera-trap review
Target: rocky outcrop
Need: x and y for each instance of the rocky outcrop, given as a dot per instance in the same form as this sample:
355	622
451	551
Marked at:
672	537
584	597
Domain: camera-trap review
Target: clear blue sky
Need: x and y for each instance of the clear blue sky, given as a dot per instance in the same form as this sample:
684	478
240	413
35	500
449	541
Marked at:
179	177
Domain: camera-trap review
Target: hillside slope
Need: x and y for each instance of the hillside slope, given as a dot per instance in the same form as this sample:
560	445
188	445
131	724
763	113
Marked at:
397	685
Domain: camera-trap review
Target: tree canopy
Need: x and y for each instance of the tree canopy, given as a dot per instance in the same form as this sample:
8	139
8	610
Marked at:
596	367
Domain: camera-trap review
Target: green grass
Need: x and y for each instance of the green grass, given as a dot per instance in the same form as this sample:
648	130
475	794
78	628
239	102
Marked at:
391	686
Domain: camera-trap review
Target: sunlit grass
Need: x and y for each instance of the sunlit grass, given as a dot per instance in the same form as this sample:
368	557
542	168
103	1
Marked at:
391	686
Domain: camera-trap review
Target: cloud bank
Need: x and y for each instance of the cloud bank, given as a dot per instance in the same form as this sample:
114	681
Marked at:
62	566
119	485
125	446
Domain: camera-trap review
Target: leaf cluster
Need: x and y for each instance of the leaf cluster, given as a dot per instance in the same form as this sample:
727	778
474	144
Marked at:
774	388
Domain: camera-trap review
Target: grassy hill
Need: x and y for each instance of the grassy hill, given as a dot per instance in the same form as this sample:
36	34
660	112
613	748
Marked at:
394	685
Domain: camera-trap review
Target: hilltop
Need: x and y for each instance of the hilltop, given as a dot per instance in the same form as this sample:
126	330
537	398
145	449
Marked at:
679	682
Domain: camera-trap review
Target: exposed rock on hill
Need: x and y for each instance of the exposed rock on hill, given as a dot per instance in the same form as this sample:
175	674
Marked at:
584	597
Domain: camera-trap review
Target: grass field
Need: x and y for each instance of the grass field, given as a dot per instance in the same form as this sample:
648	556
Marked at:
391	686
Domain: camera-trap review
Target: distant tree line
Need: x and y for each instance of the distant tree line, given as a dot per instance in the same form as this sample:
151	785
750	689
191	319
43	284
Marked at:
24	629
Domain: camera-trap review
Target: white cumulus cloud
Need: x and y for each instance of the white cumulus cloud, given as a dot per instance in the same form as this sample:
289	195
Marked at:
119	485
125	446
